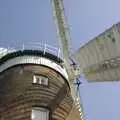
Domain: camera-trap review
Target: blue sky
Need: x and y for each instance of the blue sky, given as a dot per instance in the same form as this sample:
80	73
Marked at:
89	18
24	21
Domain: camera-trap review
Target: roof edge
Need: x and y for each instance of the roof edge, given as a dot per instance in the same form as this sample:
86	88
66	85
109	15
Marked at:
30	52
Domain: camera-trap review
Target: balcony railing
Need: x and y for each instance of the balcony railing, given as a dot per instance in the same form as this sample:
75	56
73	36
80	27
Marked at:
33	46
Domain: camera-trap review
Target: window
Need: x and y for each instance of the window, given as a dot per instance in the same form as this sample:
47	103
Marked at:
40	114
39	79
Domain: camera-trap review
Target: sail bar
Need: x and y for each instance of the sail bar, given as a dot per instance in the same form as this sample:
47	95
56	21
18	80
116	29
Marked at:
63	33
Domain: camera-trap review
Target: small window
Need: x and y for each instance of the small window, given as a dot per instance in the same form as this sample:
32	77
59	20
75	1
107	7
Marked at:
40	114
39	79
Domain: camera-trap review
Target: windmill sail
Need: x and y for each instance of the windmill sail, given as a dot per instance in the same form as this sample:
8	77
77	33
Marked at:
64	39
99	59
63	33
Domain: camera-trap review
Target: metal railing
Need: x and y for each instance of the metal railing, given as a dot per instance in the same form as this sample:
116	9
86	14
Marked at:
4	51
33	46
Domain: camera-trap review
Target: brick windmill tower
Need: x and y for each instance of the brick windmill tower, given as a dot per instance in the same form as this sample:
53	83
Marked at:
35	84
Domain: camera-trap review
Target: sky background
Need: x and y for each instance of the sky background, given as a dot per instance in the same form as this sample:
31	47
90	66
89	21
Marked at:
25	21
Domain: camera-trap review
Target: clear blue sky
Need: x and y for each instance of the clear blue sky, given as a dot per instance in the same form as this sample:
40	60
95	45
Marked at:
31	20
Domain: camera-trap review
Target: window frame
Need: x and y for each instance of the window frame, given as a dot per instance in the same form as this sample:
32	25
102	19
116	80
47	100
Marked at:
42	109
39	82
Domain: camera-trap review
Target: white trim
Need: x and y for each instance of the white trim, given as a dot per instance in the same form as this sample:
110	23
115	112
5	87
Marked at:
33	60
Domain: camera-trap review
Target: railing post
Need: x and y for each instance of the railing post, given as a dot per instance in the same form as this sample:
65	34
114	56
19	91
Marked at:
23	46
58	52
44	48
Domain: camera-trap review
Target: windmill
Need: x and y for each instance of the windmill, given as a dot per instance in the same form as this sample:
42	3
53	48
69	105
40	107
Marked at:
40	83
65	45
99	59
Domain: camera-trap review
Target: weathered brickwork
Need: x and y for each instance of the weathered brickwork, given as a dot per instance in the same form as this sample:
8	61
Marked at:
18	93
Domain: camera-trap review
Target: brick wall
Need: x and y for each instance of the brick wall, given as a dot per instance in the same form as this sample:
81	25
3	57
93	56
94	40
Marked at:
18	94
